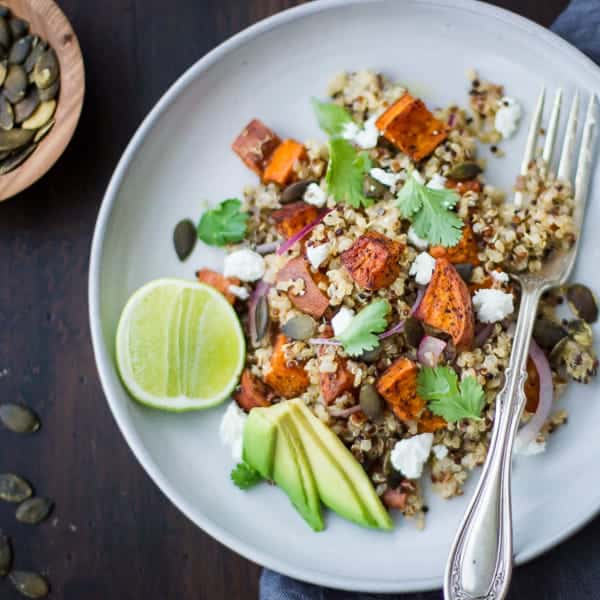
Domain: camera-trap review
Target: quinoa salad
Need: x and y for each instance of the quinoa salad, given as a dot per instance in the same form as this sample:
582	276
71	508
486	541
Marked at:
370	270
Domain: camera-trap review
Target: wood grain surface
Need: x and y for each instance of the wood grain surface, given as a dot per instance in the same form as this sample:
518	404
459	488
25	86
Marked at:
114	535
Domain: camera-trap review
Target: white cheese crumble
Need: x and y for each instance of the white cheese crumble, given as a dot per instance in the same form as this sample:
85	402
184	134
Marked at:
317	254
364	137
409	456
341	320
418	242
385	177
422	268
492	305
244	264
437	182
500	276
530	449
231	430
508	117
315	195
239	292
440	451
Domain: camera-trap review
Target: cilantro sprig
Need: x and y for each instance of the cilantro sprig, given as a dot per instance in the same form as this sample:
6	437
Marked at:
244	476
332	117
440	387
360	335
430	212
225	224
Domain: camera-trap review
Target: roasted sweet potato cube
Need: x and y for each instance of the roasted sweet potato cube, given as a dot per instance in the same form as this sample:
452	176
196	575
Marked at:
428	422
219	282
466	251
280	167
290	219
447	305
372	260
335	384
252	392
410	126
287	380
470	185
532	387
398	386
255	145
311	300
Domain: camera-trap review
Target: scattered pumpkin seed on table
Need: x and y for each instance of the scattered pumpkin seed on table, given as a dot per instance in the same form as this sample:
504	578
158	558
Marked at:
5	555
14	488
34	510
29	584
184	238
18	418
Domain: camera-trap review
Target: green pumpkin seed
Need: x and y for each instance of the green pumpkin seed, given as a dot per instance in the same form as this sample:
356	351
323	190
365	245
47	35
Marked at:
42	114
18	418
45	71
413	331
373	188
7	117
295	191
5	555
184	238
371	403
3	70
35	53
50	92
15	83
465	270
14	488
14	139
24	109
582	302
464	171
20	50
18	27
34	510
261	318
371	356
5	35
16	159
547	333
301	327
41	133
29	584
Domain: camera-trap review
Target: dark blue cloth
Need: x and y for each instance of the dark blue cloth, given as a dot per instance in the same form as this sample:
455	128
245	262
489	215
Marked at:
579	24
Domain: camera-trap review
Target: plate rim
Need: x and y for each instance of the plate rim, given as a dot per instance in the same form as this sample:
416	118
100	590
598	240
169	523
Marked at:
107	371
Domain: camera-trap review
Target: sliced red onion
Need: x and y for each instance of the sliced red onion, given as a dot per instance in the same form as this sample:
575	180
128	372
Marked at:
397	328
261	289
324	341
344	412
430	350
285	246
420	293
451	119
267	248
529	432
483	335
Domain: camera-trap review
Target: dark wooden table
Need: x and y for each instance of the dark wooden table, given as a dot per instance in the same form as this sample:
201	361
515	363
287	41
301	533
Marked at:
114	535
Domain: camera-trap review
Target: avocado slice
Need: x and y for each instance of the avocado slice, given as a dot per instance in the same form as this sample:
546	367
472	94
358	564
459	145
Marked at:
343	484
260	436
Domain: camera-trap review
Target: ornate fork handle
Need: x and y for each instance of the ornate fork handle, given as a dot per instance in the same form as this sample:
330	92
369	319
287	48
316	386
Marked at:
480	563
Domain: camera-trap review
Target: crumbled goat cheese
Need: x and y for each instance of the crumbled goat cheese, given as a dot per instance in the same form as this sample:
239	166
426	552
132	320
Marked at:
437	182
530	449
317	254
409	456
508	117
418	242
422	268
500	276
440	451
341	320
315	195
244	264
364	137
231	430
239	292
492	305
385	177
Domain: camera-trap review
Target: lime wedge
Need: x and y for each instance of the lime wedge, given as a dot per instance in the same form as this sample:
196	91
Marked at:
180	345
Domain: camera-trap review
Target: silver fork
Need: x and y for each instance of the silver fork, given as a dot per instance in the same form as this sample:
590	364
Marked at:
481	559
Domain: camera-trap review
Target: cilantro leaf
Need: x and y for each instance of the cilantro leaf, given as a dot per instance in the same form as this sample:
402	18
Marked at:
440	387
345	173
429	211
360	335
224	224
244	476
332	117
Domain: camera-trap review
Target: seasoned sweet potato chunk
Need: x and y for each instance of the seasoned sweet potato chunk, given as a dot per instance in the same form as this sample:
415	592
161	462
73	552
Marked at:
290	219
532	387
255	145
310	300
286	380
447	304
280	167
372	260
428	422
219	282
252	392
398	386
410	126
466	251
470	185
335	384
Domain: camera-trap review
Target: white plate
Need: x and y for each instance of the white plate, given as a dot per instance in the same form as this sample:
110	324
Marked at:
181	155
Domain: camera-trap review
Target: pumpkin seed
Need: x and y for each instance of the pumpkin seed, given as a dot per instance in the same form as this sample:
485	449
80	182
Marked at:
45	71
24	109
371	356
7	117
371	402
16	159
5	555
301	327
13	488
295	191
580	332
582	302
184	238
50	92
15	83
373	188
5	35
14	139
18	418
261	318
41	133
18	27
42	114
465	270
29	584
20	50
464	171
413	331
547	333
3	70
35	53
34	510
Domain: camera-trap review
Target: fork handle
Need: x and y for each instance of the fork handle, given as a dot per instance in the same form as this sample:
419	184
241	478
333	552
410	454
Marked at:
480	563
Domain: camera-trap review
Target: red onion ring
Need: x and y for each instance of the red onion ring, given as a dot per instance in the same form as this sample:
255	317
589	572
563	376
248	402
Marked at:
451	119
420	294
285	246
324	341
344	412
430	350
397	328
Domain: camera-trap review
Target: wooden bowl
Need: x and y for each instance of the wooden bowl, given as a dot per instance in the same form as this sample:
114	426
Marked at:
48	21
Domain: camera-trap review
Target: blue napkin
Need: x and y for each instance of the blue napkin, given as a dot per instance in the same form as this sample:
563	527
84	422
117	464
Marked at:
579	24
